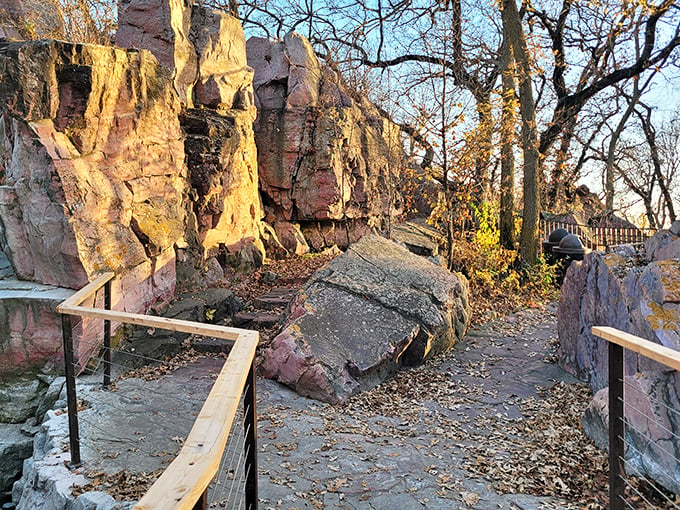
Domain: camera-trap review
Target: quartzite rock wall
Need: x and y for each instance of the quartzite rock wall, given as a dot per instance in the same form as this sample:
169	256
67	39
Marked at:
206	52
326	161
639	294
91	161
376	308
93	175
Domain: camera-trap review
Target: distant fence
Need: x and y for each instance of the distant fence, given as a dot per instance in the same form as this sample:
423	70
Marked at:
189	481
623	493
598	238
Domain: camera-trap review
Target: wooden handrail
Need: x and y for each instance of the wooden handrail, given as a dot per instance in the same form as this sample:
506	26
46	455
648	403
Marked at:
84	293
188	476
186	479
657	352
151	321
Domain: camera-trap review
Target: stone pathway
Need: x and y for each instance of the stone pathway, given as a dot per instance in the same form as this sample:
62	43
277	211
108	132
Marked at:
414	442
407	448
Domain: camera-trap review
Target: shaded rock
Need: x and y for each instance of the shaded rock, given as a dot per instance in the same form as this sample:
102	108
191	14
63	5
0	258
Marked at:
30	328
46	482
322	155
14	448
19	400
143	348
276	298
219	303
256	319
94	500
651	436
291	237
615	290
419	238
373	310
51	395
321	235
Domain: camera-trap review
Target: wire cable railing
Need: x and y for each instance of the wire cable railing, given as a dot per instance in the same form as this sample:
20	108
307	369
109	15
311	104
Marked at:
624	421
216	466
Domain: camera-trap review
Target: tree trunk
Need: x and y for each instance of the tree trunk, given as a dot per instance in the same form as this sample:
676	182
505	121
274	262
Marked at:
650	136
483	152
512	29
508	121
561	184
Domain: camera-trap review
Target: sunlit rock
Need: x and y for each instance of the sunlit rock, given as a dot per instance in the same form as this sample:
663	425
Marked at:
327	161
375	309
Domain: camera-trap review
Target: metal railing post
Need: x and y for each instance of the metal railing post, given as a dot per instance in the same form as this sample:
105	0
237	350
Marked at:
616	428
250	444
71	396
202	503
107	336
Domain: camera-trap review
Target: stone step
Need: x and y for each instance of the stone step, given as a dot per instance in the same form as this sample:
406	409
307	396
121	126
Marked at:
256	319
275	298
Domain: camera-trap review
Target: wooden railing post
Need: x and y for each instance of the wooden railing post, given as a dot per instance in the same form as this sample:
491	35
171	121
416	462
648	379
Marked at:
616	428
250	444
71	396
107	336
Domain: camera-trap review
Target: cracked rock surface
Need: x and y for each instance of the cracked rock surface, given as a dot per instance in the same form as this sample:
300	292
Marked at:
374	310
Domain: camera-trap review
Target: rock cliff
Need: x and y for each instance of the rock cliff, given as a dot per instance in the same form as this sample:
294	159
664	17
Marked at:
91	160
206	54
637	293
92	179
328	162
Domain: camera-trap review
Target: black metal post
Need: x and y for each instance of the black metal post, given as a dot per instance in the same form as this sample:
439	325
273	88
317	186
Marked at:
202	503
250	444
617	469
71	397
107	336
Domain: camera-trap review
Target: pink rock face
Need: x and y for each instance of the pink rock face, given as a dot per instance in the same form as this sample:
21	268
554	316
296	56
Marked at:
205	50
609	290
93	180
93	171
322	156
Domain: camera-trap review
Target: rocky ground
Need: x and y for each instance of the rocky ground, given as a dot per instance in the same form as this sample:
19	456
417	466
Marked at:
494	423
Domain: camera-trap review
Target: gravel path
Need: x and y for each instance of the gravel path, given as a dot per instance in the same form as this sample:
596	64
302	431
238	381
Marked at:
464	431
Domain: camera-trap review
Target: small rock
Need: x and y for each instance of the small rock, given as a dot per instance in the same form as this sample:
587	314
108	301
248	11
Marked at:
94	500
270	277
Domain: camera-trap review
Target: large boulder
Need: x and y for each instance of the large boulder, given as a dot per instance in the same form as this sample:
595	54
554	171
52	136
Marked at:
327	161
621	290
91	157
375	309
